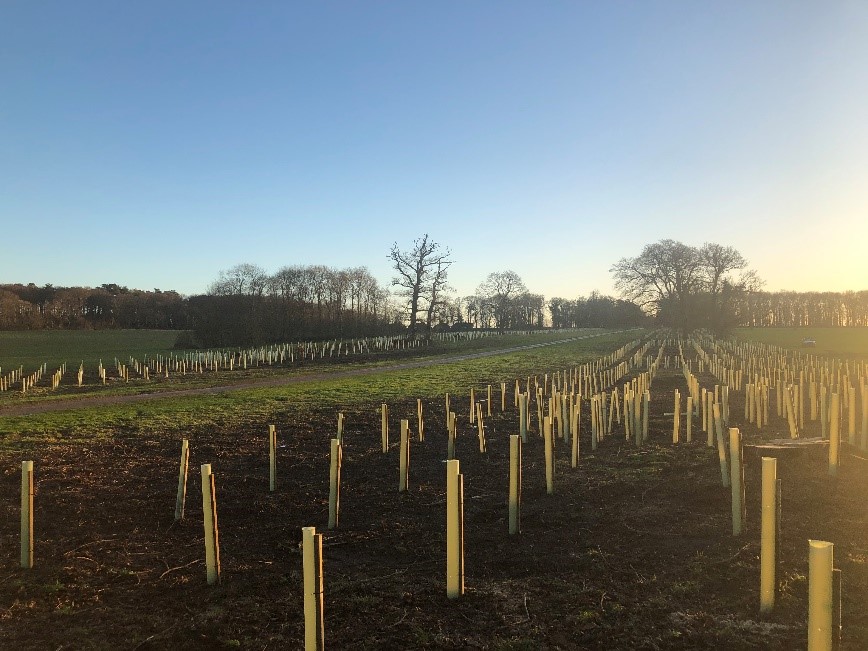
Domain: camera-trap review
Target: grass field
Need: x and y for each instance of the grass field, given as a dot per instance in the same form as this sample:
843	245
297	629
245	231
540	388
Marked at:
835	342
35	347
200	413
41	346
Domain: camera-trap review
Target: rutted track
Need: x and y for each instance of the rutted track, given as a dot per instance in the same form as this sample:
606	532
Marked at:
86	402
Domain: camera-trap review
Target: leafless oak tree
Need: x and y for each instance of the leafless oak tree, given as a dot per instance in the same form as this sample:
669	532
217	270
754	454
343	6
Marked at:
421	276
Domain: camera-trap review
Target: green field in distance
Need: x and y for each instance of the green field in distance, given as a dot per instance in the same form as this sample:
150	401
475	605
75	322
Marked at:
35	347
834	342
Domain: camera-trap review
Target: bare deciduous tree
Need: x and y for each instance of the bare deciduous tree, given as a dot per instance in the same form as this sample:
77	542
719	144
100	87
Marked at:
689	285
421	275
500	290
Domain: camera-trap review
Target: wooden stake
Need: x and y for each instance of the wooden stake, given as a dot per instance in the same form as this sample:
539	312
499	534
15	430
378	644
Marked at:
451	422
384	417
335	482
480	428
404	461
272	458
181	498
27	514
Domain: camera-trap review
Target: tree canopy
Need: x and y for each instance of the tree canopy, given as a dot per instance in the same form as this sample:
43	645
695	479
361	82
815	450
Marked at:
685	286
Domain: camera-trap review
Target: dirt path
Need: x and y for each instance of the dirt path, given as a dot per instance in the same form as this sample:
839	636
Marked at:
85	402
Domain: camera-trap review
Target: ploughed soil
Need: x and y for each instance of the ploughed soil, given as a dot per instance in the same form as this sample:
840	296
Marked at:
633	550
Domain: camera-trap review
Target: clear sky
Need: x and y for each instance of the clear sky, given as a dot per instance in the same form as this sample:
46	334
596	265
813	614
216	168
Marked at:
152	144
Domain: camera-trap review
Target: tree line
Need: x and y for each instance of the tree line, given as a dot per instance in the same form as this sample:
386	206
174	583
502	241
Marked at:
248	306
712	287
802	309
669	283
29	307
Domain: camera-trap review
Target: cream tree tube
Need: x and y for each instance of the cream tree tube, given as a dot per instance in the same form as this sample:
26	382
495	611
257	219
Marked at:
824	411
209	512
576	430
314	622
689	435
646	408
549	455
834	434
721	446
768	532
514	484
454	530
851	416
736	480
863	443
820	565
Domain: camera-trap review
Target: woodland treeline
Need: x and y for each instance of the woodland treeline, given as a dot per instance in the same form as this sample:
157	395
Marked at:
247	306
814	309
28	307
330	304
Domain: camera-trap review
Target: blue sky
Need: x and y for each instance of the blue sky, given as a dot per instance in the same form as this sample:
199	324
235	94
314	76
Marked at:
153	144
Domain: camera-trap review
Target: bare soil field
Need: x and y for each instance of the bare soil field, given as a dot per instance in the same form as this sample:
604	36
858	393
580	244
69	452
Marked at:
632	551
